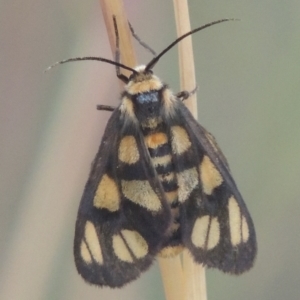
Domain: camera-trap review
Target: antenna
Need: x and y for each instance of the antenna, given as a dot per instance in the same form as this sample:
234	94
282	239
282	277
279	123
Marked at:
152	63
92	58
115	63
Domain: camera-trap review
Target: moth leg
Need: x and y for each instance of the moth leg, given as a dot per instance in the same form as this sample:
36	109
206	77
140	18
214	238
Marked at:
183	95
105	107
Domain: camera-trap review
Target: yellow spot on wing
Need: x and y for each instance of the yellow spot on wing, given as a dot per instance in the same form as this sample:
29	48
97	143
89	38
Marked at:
245	230
141	193
121	249
234	221
136	243
210	176
206	232
92	243
180	140
199	232
214	234
187	180
128	150
130	241
85	253
155	140
107	194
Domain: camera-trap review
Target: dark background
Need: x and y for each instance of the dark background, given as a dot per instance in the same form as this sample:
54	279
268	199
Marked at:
248	78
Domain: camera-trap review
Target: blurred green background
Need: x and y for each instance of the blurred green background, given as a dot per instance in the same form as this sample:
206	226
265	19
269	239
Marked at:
248	75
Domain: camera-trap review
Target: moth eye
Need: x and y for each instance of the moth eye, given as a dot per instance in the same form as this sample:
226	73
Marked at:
150	97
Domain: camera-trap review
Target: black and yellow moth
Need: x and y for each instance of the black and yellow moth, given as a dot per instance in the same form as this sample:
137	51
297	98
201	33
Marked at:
159	184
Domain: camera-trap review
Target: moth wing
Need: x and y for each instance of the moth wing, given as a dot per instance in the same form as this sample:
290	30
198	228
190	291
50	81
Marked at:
216	225
123	215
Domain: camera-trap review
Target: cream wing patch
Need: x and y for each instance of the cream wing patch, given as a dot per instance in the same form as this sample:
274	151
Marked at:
214	234
128	150
180	140
107	194
85	253
245	230
209	175
239	230
121	249
141	193
206	232
90	248
187	180
129	245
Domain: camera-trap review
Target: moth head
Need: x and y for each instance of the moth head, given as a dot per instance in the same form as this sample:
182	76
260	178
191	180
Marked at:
142	80
144	89
140	74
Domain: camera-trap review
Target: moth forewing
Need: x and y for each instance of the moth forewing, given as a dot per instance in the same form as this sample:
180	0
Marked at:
123	215
217	227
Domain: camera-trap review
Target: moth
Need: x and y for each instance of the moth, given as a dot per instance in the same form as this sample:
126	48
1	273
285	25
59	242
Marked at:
158	184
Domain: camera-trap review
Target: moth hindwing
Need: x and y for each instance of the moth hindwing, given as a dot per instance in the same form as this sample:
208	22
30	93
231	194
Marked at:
159	183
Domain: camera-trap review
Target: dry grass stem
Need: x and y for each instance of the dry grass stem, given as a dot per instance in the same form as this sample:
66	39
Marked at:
170	269
186	56
194	274
172	276
112	8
